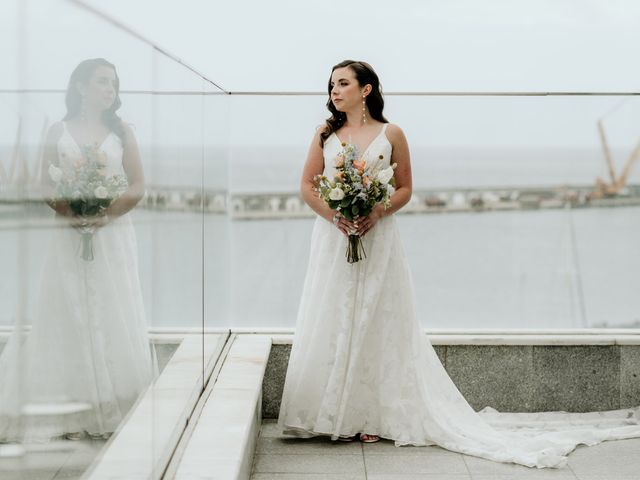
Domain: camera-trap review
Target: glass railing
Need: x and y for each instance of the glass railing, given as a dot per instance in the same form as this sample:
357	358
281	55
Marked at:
516	220
113	242
522	217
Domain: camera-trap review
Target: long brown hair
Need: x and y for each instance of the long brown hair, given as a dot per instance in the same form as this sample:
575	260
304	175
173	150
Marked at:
364	74
82	73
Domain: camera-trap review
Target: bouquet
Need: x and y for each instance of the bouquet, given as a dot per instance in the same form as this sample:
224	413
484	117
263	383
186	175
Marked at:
88	190
355	190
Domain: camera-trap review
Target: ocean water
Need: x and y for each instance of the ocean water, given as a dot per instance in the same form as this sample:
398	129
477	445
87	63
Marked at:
515	269
524	269
247	169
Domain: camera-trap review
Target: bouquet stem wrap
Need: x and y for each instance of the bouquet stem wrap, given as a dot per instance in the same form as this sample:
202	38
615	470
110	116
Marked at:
87	244
355	249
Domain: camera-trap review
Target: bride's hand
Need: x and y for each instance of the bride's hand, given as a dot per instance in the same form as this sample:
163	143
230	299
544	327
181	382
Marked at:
79	222
364	224
344	225
99	221
76	221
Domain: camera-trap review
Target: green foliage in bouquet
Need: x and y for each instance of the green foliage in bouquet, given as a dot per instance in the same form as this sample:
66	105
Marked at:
355	190
87	189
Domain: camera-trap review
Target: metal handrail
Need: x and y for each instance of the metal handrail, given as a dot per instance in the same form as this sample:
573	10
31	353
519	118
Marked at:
309	93
118	24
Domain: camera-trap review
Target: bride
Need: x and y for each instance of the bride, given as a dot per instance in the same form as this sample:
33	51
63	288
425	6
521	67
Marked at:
360	363
88	349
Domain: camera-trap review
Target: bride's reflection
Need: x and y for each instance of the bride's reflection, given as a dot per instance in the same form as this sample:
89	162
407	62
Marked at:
87	357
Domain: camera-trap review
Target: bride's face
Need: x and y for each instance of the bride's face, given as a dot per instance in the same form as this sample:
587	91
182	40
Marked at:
100	91
346	93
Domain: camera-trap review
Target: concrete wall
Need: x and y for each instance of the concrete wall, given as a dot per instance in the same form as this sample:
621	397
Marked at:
517	378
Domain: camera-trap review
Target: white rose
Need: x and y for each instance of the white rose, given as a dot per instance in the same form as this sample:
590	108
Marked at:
385	175
336	194
390	189
101	192
55	173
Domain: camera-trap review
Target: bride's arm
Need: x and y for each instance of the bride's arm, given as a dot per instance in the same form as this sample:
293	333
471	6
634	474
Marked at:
402	174
135	176
49	158
314	165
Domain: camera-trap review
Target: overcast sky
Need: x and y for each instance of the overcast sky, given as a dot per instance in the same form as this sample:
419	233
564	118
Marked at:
420	45
287	45
413	44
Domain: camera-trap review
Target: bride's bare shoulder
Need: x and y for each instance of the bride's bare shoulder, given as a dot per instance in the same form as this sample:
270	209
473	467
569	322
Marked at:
395	134
394	129
321	131
54	132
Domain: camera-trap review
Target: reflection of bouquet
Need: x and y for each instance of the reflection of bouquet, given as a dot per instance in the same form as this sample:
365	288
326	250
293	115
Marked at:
355	190
87	189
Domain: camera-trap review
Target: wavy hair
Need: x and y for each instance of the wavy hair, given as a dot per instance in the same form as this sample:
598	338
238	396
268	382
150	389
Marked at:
82	74
364	74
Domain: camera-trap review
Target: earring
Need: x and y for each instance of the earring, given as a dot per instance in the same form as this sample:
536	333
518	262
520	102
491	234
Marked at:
364	118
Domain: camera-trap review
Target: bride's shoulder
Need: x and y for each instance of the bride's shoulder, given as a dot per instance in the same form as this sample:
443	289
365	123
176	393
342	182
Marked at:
393	128
56	128
322	130
394	133
321	135
128	131
54	132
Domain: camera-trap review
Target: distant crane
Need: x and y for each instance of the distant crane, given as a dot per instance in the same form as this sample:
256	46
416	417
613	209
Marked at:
612	188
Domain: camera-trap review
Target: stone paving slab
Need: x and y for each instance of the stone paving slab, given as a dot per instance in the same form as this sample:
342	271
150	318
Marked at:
609	477
309	463
535	474
52	465
421	476
280	457
319	445
307	476
387	447
608	460
483	469
405	464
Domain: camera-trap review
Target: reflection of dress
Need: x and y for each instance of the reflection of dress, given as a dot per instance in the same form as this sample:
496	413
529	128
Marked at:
89	340
361	363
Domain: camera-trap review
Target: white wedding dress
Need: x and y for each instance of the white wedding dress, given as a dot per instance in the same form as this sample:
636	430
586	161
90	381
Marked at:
361	363
88	343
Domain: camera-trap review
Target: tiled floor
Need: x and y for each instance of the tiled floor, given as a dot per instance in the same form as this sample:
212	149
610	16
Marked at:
53	465
279	458
71	463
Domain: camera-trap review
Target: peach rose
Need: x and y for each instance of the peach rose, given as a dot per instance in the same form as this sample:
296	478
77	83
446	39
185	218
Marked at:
359	165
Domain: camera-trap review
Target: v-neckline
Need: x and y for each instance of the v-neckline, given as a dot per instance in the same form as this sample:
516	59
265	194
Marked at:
370	143
66	128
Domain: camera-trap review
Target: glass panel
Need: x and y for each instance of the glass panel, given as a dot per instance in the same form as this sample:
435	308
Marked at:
103	242
506	228
522	217
215	179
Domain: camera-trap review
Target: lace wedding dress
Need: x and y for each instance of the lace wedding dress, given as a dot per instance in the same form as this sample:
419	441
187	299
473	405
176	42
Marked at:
361	363
88	343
